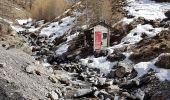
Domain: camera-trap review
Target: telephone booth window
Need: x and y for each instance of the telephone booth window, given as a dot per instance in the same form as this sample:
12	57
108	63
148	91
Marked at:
104	35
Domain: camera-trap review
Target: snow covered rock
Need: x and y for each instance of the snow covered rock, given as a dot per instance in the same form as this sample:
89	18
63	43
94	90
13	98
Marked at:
163	61
83	92
53	95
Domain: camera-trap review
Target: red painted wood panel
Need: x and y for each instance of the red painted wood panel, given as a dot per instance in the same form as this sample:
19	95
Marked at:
98	40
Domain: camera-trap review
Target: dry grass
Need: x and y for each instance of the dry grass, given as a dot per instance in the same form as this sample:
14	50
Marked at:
48	9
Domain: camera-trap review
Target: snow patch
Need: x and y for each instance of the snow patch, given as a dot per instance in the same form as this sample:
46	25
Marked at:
57	29
135	35
127	20
143	67
18	28
148	9
71	37
24	21
100	63
62	49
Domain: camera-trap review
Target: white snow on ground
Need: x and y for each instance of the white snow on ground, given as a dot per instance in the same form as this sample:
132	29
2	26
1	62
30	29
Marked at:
62	49
57	29
71	37
147	9
17	28
100	63
126	20
143	67
23	21
135	35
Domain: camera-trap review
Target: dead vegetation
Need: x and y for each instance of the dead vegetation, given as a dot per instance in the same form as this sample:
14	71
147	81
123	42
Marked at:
48	9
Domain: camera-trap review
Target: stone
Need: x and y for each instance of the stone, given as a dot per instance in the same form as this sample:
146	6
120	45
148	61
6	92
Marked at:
123	69
167	14
1	65
116	57
53	95
111	74
113	89
163	61
53	79
101	81
139	94
103	95
83	92
58	91
30	69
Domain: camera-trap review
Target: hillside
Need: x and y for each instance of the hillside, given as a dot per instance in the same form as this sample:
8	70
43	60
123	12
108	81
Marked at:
54	59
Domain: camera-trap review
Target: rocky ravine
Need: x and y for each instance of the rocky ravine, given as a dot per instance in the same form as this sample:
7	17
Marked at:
136	67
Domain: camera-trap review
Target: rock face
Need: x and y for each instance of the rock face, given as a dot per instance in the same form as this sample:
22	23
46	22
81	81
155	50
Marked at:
163	61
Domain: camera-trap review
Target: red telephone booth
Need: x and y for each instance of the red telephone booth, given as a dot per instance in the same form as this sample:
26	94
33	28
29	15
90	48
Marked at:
101	37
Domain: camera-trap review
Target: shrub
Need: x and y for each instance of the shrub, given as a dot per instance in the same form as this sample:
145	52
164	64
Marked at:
48	9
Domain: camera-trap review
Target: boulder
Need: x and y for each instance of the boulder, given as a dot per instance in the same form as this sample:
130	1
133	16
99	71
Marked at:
53	95
123	69
116	57
112	89
30	69
59	92
111	74
103	95
167	14
163	61
101	81
83	92
53	79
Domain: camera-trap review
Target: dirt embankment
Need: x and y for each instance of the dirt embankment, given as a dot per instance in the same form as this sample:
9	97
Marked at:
12	10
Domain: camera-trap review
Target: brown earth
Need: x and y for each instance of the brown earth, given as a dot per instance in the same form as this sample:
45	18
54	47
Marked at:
149	49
